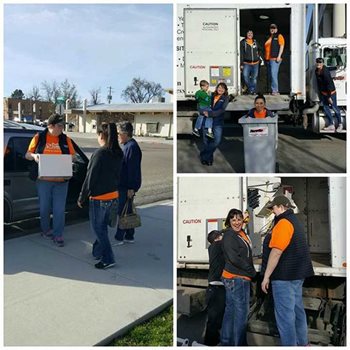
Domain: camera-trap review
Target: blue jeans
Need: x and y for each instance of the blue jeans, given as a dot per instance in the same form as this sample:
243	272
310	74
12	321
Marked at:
234	324
208	122
124	234
99	216
273	68
289	312
52	195
327	109
209	146
250	75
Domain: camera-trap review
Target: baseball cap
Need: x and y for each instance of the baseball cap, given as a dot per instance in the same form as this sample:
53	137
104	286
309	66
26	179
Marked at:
55	119
280	200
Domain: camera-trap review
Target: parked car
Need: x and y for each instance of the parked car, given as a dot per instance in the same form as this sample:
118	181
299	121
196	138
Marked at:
20	194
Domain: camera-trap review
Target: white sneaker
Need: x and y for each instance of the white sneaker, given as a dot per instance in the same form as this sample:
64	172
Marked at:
329	128
118	243
340	128
130	241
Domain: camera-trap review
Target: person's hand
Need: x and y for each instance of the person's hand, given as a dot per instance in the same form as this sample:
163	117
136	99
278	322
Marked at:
205	113
241	67
131	193
265	284
80	205
330	101
278	59
36	157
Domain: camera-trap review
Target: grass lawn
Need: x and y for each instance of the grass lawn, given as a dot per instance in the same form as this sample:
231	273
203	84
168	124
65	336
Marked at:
158	331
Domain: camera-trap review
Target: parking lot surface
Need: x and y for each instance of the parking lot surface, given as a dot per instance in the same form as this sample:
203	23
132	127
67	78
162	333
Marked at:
55	296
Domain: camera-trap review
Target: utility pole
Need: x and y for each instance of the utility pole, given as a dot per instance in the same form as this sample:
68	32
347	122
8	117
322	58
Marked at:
109	96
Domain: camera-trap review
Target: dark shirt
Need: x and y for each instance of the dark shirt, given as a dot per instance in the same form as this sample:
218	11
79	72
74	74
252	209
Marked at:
216	261
130	175
218	109
103	174
325	82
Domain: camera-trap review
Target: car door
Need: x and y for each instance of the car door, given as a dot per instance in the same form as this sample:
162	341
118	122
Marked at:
19	190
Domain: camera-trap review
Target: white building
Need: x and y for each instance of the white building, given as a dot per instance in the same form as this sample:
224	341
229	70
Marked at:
148	119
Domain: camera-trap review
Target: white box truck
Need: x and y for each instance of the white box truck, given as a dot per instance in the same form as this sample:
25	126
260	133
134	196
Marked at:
208	38
203	203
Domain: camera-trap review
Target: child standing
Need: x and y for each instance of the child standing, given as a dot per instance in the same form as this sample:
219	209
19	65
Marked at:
203	99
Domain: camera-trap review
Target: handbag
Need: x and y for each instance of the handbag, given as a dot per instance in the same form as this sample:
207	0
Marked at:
113	214
129	220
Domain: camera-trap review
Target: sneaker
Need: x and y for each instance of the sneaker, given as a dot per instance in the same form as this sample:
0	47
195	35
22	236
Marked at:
275	93
59	241
102	266
210	135
340	128
47	235
130	241
196	133
330	127
118	243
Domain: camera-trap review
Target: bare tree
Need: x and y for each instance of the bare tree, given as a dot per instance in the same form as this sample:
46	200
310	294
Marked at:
51	91
69	91
95	96
141	90
34	93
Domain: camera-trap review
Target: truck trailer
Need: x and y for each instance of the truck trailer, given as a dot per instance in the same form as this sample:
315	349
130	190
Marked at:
203	203
208	38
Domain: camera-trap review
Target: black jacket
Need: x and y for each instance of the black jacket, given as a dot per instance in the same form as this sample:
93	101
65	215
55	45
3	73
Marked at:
216	261
325	82
103	174
238	255
295	261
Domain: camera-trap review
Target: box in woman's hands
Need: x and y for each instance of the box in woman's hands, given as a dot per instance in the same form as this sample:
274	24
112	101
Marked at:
55	165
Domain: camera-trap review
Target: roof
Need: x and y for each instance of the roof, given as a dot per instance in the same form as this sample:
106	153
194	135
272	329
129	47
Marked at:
129	108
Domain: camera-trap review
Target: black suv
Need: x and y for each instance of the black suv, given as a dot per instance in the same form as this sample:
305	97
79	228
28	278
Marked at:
20	194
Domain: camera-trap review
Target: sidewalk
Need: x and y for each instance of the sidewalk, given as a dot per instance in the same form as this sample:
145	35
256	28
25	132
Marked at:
55	296
150	139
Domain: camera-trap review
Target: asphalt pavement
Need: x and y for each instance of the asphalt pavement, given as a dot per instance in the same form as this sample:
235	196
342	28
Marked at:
298	151
55	296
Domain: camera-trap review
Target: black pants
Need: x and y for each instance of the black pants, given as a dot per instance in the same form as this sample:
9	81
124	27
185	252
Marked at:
215	298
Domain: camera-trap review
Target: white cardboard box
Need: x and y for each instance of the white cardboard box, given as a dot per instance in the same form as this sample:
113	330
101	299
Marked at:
55	165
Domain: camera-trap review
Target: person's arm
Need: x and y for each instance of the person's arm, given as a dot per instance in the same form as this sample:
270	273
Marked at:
31	155
241	53
91	178
280	52
218	112
133	163
274	258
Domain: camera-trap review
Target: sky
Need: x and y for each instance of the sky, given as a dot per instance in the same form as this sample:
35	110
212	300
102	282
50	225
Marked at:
93	46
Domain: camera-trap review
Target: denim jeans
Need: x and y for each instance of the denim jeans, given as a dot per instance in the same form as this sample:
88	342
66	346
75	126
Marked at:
208	122
250	75
289	312
327	109
124	234
234	324
209	146
273	68
52	195
99	215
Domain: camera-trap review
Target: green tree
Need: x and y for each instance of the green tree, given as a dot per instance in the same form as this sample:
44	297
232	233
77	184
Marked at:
141	90
18	93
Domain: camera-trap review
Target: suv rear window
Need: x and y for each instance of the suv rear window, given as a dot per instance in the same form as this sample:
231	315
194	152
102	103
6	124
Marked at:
15	151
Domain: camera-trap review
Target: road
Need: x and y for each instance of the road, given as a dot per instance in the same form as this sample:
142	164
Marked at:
157	179
298	151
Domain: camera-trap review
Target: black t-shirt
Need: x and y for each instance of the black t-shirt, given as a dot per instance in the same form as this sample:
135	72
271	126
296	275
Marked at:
216	261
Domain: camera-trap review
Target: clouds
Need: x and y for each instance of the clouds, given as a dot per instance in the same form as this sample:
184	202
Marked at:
90	44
